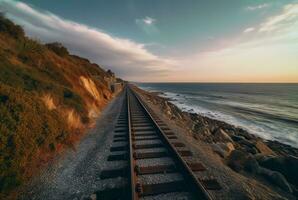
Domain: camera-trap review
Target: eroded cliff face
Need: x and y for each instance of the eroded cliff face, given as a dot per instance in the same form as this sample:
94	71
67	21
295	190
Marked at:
94	99
47	100
90	86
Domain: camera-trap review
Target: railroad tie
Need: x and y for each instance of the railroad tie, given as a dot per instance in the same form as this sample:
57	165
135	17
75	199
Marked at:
155	169
178	144
147	146
114	157
119	148
149	138
114	173
211	184
144	155
159	188
196	166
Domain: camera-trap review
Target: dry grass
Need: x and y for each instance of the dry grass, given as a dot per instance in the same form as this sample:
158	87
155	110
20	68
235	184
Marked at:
43	105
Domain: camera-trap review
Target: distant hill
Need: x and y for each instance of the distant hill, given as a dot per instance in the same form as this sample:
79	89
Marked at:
47	99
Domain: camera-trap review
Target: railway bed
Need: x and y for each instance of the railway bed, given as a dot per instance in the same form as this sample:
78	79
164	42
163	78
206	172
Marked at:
154	163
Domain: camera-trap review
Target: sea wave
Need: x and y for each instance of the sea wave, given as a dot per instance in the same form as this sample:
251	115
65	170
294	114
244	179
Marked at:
260	114
267	115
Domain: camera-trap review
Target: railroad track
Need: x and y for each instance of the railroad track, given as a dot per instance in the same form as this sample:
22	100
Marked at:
159	166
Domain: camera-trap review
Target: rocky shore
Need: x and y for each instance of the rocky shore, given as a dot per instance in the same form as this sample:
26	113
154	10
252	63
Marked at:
269	162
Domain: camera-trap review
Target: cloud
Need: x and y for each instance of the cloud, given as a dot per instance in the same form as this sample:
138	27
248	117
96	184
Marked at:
148	20
250	29
267	54
129	59
148	25
287	19
281	28
257	7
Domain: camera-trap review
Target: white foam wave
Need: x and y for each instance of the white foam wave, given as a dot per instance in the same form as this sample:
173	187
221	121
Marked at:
266	130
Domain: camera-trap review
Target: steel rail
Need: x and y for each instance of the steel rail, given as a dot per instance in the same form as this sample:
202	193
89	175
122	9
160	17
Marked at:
196	186
134	195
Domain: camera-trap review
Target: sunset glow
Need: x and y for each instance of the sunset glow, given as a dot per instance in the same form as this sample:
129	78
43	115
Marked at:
185	42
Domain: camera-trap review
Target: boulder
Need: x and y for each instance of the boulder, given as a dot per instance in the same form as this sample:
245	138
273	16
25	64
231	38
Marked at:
237	159
193	116
276	178
205	132
291	171
263	148
227	147
246	135
251	164
223	149
212	127
247	143
168	112
217	149
260	157
249	149
222	136
237	138
288	166
201	129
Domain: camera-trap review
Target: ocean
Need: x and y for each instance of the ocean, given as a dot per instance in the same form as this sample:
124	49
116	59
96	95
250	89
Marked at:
267	110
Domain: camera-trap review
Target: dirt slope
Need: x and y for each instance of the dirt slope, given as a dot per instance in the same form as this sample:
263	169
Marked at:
47	99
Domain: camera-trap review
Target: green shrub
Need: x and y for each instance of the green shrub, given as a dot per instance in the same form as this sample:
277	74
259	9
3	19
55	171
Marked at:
42	80
26	125
28	129
18	76
73	100
57	48
29	50
68	93
3	98
9	182
10	28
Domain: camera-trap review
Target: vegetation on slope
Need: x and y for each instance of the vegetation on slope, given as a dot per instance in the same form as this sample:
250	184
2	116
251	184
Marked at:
26	125
47	97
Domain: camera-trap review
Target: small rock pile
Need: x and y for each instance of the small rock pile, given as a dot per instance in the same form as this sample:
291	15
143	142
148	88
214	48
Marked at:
243	151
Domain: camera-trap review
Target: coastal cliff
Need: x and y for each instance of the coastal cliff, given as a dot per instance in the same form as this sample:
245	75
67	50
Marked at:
48	98
267	162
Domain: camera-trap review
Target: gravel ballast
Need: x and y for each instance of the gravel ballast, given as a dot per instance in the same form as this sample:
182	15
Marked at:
155	161
172	195
160	178
76	174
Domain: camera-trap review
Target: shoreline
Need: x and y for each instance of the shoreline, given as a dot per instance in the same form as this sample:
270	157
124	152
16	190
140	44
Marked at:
236	184
274	144
245	153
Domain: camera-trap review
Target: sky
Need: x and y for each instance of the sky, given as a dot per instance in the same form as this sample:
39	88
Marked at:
171	40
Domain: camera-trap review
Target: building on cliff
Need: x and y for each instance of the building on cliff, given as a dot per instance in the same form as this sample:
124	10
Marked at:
115	84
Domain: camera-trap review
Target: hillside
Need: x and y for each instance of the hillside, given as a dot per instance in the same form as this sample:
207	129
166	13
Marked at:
47	99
